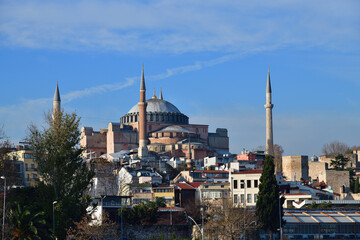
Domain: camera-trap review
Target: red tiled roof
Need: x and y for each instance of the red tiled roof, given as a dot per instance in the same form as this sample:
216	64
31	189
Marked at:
184	186
251	171
212	171
195	184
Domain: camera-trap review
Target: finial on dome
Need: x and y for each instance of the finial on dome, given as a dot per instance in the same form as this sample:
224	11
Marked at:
154	96
160	96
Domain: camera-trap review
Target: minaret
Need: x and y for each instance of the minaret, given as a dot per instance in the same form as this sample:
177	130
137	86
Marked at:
160	97
269	127
142	152
56	101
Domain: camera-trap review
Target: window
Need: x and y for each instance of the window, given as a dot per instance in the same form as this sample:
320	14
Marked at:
32	166
235	184
249	198
255	198
256	183
34	176
248	183
27	177
242	184
26	167
242	198
235	198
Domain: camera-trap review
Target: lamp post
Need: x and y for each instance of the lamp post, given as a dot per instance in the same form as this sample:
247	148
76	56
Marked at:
281	237
3	226
201	230
55	202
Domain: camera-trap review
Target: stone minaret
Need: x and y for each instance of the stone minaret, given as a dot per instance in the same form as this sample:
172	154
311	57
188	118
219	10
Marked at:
56	101
269	127
161	96
142	152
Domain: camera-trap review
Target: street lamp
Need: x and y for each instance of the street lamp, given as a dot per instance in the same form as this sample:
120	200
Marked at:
54	202
3	226
281	237
200	229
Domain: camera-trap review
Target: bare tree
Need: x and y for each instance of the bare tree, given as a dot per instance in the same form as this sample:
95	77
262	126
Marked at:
335	147
227	221
86	229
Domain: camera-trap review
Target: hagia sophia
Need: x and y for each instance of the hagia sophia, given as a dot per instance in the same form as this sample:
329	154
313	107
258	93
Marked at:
155	127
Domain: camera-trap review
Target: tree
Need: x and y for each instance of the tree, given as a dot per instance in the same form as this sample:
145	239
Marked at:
339	162
86	229
267	205
357	188
58	154
8	167
225	221
335	147
25	223
278	151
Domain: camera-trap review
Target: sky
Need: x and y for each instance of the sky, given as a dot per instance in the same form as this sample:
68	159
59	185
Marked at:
210	58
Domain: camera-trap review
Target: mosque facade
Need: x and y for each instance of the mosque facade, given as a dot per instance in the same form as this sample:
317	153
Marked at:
157	126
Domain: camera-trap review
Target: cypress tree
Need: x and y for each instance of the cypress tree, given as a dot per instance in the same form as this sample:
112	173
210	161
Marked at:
357	185
267	205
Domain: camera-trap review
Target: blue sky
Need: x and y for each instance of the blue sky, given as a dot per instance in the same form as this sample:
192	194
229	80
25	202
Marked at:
210	58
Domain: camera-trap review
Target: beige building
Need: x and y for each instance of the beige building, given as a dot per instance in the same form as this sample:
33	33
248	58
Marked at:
244	186
214	193
295	168
25	155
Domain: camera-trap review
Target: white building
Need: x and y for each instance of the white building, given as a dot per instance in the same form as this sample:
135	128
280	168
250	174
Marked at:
245	185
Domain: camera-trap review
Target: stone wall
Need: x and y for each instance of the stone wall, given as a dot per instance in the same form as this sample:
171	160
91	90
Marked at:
295	165
317	170
166	231
337	179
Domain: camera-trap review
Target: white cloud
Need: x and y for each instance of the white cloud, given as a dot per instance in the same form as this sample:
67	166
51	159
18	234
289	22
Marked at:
176	27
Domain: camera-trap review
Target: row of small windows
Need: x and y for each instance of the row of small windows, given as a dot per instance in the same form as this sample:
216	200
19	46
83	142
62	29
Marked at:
248	184
249	198
163	190
156	117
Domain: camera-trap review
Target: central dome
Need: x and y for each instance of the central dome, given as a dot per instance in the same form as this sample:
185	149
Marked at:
156	105
157	111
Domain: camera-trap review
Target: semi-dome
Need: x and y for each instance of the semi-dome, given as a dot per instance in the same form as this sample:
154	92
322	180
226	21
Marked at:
157	110
156	105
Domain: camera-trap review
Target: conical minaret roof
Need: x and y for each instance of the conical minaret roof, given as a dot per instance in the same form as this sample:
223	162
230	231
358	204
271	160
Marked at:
57	93
268	86
142	84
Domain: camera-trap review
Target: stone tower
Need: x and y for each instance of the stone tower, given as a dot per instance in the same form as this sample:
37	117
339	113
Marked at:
142	151
56	101
269	126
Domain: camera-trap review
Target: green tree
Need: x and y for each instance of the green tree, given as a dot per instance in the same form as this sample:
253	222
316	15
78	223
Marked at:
357	189
58	154
339	162
267	205
25	223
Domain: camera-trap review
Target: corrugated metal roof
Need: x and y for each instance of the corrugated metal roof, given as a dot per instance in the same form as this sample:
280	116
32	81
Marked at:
322	217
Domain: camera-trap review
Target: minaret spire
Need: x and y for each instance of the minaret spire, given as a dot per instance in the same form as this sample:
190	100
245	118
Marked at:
56	100
161	96
142	151
142	83
269	126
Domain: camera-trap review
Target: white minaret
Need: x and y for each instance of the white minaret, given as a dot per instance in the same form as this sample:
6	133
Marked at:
269	126
56	101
